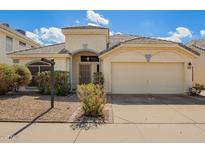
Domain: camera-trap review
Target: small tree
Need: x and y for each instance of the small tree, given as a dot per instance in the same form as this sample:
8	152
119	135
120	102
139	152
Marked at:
8	78
23	76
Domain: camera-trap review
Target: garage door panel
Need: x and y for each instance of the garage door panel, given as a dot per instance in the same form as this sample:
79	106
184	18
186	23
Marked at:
147	78
121	78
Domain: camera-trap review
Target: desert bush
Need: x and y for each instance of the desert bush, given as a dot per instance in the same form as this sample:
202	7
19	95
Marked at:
98	78
8	78
23	76
92	98
43	80
61	85
196	89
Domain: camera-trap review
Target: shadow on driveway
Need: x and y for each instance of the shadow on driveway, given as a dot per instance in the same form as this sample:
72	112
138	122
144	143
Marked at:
87	123
155	99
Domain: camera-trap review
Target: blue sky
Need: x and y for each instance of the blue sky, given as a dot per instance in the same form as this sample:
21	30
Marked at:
180	26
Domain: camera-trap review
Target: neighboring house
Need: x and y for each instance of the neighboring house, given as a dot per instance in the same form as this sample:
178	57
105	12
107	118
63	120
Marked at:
13	40
130	64
199	63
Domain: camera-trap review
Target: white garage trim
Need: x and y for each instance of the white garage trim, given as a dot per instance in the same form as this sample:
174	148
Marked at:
147	78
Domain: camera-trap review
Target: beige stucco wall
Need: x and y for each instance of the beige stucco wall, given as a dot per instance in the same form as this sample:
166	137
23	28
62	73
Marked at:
3	57
75	67
199	70
95	40
136	54
74	43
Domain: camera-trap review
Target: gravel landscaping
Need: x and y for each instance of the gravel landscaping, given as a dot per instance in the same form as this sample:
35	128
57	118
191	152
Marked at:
25	108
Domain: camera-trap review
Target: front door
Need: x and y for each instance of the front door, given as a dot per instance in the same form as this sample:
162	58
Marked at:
85	73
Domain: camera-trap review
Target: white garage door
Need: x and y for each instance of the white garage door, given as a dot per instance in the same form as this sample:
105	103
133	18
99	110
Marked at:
145	78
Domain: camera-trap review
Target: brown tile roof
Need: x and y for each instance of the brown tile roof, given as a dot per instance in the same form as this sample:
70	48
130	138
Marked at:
197	45
115	41
134	39
50	49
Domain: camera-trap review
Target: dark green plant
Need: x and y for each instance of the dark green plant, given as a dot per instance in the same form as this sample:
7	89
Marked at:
92	98
43	80
61	85
98	78
8	77
23	76
196	89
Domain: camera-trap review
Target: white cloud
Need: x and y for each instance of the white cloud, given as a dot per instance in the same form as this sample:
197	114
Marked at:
92	24
46	35
202	32
77	22
97	18
34	37
52	34
115	33
181	32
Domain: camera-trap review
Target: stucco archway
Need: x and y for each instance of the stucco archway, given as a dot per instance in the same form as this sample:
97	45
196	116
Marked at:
36	67
84	64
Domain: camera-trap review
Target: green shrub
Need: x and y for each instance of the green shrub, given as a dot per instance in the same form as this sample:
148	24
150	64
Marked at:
8	78
98	78
196	89
23	76
12	77
92	98
61	86
43	80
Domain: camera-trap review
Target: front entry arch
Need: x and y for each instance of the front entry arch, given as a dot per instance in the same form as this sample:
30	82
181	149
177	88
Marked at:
84	64
35	68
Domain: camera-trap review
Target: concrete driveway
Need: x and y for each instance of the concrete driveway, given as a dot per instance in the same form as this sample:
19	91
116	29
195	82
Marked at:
136	118
156	109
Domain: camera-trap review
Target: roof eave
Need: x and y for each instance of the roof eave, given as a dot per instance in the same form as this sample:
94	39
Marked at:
194	53
188	50
52	55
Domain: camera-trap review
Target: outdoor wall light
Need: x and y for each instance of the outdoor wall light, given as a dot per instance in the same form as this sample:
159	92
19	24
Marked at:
189	65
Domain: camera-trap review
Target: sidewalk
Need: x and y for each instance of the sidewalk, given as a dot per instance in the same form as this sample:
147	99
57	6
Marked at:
42	132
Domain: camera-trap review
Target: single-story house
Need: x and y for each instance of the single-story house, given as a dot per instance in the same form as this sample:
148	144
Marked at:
130	64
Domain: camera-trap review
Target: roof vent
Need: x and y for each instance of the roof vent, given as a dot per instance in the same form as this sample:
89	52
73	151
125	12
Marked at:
21	31
5	24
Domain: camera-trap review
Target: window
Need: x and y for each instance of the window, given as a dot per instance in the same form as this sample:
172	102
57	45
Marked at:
89	59
9	44
22	44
